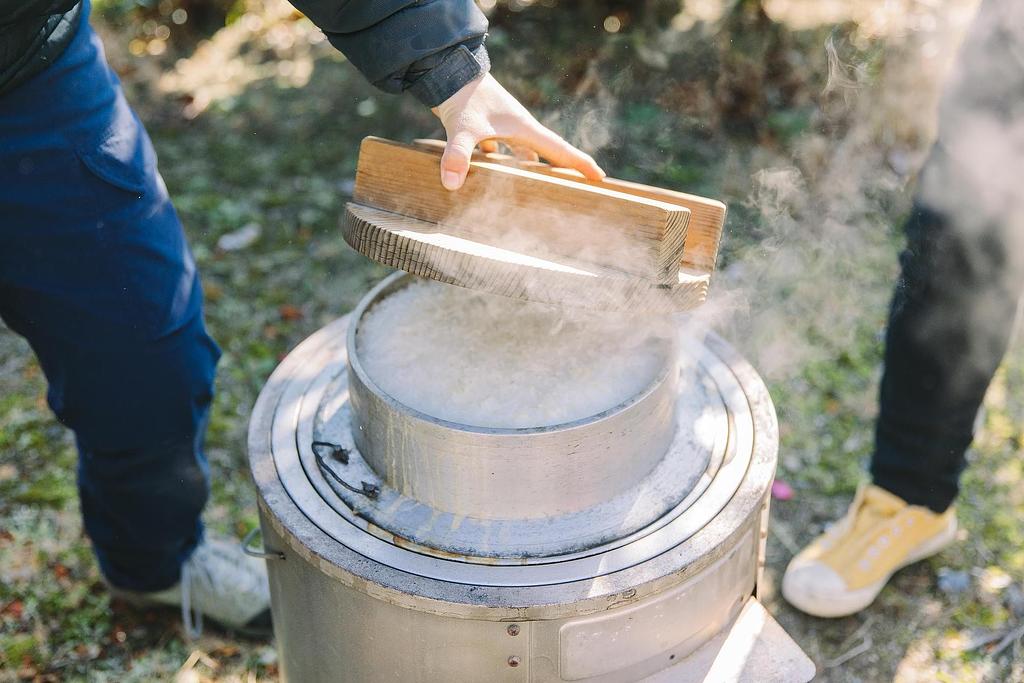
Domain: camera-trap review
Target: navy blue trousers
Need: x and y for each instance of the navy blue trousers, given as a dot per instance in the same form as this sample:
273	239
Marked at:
96	274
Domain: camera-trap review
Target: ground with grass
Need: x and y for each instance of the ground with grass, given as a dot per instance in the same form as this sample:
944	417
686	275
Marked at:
811	127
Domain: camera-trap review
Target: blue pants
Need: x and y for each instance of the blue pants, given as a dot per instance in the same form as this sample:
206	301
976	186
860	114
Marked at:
96	274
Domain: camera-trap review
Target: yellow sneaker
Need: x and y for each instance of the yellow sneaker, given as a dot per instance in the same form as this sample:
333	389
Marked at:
843	570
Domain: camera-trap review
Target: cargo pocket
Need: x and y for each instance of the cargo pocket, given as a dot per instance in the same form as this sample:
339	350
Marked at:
121	156
122	174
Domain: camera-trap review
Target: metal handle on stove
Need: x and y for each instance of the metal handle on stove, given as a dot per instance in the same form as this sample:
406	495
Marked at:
253	552
339	453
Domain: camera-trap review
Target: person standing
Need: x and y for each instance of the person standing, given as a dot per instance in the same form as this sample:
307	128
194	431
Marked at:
951	320
97	275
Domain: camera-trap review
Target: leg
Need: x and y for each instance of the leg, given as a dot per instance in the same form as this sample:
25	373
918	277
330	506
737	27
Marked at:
962	270
96	274
950	323
951	320
137	410
949	326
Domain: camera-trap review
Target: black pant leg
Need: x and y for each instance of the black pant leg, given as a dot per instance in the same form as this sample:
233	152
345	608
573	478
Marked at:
951	319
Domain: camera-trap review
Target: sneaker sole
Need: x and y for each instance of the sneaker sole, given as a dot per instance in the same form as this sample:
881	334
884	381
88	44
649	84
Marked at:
851	602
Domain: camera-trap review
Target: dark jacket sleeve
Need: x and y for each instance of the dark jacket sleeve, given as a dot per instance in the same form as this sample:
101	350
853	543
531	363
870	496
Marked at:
429	47
13	11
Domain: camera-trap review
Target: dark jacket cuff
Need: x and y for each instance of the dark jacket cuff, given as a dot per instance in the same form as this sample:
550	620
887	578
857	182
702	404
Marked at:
457	68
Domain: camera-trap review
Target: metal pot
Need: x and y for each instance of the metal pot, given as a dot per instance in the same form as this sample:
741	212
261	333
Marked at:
489	473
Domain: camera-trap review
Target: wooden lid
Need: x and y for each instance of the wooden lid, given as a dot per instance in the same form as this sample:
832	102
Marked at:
534	233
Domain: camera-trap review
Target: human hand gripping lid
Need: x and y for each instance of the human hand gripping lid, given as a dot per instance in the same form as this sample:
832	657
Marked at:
435	50
483	112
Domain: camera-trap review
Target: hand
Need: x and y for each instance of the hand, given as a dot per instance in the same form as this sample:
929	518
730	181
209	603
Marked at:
483	112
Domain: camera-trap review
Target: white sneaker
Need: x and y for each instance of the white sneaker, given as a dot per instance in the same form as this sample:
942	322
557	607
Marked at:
218	581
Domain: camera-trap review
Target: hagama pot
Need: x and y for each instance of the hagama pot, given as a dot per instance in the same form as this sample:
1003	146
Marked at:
509	474
624	547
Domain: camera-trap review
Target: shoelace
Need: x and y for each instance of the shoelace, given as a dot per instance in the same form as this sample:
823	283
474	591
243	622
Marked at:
191	619
208	567
865	513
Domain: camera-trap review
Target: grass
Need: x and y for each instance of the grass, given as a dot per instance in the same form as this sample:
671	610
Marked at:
804	280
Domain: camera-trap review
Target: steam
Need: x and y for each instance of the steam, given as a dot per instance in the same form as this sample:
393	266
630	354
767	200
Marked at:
841	76
497	362
826	264
823	264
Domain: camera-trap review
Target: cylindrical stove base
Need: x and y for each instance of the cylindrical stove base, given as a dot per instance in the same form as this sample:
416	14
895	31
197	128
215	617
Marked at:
331	628
353	601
